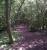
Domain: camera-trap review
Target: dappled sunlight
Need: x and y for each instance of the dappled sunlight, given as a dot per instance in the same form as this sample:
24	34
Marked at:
23	24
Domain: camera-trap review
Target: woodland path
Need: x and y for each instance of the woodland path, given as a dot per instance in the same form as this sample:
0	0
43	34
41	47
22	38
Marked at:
31	39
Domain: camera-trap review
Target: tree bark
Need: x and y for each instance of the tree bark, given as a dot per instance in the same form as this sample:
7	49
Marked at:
8	24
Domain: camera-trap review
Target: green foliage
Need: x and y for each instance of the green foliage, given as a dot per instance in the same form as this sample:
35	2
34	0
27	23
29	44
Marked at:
16	36
2	7
31	10
2	19
34	11
2	23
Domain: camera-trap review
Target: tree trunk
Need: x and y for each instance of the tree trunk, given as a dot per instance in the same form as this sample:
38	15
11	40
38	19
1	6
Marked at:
8	24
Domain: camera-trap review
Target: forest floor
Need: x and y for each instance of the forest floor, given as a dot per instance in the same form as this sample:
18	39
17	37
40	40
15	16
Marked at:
35	42
29	41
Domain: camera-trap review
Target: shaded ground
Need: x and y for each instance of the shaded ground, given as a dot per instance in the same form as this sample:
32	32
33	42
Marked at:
25	40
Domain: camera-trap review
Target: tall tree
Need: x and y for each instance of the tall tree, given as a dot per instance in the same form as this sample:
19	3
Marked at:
7	13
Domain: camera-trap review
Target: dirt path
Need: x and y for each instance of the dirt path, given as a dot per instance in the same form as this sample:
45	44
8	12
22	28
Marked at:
30	40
